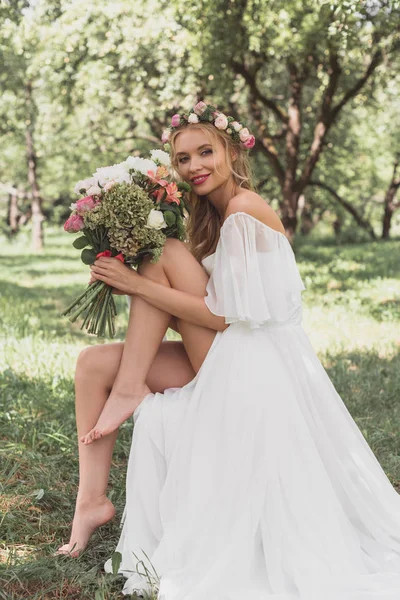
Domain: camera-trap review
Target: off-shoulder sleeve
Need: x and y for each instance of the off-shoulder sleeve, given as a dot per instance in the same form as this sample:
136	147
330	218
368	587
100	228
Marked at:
255	278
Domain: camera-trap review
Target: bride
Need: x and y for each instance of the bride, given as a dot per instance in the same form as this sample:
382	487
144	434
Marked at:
248	477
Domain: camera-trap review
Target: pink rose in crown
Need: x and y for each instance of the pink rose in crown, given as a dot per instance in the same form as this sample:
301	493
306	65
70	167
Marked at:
165	136
176	120
244	134
200	108
73	224
85	204
221	122
250	142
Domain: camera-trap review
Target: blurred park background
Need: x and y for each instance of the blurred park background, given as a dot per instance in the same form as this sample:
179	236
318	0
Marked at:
85	83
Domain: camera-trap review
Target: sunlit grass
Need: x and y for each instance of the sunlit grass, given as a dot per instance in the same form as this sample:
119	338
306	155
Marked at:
351	313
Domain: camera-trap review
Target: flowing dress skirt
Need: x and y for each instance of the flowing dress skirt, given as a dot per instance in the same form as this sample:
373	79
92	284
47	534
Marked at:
254	482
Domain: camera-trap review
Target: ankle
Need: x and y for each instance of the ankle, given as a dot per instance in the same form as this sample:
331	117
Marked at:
129	389
88	501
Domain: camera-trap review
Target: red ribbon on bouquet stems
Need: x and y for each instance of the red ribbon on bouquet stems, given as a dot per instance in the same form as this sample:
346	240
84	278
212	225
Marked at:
107	254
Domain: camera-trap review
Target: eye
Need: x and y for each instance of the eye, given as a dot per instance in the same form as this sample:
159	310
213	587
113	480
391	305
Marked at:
181	160
207	151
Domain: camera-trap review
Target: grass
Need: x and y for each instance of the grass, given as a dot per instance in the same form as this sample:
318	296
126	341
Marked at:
351	313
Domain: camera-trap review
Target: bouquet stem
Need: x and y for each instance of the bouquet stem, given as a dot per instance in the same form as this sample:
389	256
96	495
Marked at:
98	303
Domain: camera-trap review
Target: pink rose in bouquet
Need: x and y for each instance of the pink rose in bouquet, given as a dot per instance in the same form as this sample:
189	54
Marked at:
85	204
74	224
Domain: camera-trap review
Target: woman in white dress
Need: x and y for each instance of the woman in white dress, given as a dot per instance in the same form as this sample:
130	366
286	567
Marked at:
249	479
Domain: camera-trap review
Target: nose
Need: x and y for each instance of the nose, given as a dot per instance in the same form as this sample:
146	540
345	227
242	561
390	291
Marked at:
195	165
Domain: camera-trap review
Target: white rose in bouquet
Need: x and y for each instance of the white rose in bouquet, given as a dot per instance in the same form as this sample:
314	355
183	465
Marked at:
155	220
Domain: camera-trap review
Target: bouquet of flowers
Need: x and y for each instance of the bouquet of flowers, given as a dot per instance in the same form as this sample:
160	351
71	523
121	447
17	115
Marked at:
127	212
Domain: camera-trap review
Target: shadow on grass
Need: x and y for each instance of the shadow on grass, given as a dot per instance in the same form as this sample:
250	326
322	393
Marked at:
24	310
348	265
370	388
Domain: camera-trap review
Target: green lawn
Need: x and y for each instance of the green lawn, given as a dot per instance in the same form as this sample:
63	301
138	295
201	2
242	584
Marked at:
352	314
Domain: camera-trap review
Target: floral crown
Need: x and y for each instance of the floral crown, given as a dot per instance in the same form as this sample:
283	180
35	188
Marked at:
206	113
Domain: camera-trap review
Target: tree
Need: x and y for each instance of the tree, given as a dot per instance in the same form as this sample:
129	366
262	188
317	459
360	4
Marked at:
19	109
293	67
390	204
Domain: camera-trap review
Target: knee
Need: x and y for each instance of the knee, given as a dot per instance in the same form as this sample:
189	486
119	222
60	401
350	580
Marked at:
87	362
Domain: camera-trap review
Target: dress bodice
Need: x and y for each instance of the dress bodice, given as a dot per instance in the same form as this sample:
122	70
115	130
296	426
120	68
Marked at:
208	263
253	274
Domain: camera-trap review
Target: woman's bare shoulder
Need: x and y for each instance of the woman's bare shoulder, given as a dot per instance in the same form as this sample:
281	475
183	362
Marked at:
254	205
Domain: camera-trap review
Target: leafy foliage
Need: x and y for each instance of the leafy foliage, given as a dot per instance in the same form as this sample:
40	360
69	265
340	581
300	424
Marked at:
317	83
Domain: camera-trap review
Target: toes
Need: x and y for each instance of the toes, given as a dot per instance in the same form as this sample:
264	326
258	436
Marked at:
92	436
67	550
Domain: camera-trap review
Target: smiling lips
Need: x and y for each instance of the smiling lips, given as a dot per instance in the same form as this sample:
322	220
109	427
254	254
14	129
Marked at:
200	179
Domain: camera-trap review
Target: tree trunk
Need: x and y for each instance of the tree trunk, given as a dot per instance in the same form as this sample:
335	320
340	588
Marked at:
13	213
36	200
289	213
307	212
389	203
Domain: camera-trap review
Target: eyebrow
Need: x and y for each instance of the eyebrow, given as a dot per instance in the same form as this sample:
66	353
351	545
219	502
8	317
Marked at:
199	148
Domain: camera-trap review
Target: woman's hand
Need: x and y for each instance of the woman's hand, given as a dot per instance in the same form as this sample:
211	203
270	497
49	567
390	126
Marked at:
114	290
114	273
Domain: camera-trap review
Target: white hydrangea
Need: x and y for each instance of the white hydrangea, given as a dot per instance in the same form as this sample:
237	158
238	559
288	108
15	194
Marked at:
143	165
116	173
161	156
94	190
84	184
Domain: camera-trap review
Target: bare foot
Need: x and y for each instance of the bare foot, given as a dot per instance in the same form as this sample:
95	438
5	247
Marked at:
87	518
118	408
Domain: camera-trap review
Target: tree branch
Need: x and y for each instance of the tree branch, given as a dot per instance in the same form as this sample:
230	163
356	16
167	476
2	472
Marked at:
250	79
264	142
361	221
10	189
324	122
352	92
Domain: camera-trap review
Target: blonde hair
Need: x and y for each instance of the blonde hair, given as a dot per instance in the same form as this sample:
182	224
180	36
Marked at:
204	222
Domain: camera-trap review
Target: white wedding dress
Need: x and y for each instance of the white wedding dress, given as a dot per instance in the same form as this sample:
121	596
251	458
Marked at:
253	481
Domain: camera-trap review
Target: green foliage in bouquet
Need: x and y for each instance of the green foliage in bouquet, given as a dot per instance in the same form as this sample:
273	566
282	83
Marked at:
125	215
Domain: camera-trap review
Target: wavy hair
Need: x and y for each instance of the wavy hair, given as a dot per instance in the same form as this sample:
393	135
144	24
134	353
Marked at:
204	222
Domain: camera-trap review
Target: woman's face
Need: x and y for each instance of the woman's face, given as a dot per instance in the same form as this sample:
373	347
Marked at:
199	162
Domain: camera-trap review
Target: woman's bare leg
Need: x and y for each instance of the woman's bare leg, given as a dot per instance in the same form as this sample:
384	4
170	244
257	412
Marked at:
96	371
147	325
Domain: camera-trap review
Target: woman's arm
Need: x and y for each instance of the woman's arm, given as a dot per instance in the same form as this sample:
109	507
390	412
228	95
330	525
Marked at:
190	308
179	304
